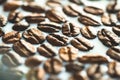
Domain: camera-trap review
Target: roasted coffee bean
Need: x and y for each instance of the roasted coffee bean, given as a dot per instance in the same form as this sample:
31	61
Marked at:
74	67
118	15
116	30
33	61
68	53
77	76
69	10
1	32
24	48
20	26
113	69
49	27
47	50
11	37
78	2
11	59
15	16
3	20
2	1
35	18
34	36
12	5
53	66
4	48
58	40
93	58
36	74
108	38
55	16
88	21
114	53
70	29
53	77
93	10
33	7
53	3
82	43
88	32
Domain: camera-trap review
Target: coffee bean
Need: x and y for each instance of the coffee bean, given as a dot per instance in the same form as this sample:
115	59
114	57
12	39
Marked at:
49	27
12	5
69	10
88	21
114	53
88	32
15	16
70	29
33	7
77	76
1	32
93	10
82	44
34	36
78	2
47	50
53	66
118	15
93	58
116	30
53	3
36	74
53	77
11	59
35	18
108	38
11	37
4	48
20	26
58	40
68	53
29	1
113	69
74	67
24	48
2	1
33	61
55	16
3	20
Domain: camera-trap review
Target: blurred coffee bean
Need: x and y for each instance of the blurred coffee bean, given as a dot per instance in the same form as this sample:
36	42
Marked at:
34	36
11	37
2	1
4	48
118	15
68	53
78	2
3	20
77	76
116	30
53	77
53	3
24	48
1	32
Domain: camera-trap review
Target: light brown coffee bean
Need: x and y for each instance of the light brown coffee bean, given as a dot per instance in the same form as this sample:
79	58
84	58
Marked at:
53	3
4	48
77	76
78	2
3	20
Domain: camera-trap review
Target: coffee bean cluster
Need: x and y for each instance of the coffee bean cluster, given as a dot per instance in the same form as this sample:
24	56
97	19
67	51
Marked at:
45	41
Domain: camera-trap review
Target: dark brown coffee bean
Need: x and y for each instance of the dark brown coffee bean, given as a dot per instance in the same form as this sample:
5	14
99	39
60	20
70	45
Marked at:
47	50
68	53
70	29
118	15
116	29
2	1
53	66
11	59
58	40
24	48
3	20
114	53
35	18
53	77
82	44
69	10
113	69
1	32
78	2
88	21
53	3
11	37
36	74
20	26
55	16
93	10
88	32
15	16
33	7
108	38
93	58
34	36
4	48
33	61
74	67
77	76
49	27
12	5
